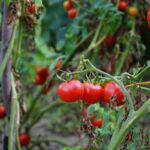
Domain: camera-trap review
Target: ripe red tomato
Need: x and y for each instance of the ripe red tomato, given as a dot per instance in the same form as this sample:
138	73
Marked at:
123	5
70	91
39	80
24	139
72	13
31	9
112	90
96	122
92	93
67	4
43	73
148	17
110	40
2	112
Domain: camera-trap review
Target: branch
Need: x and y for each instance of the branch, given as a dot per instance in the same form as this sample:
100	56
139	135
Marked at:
128	124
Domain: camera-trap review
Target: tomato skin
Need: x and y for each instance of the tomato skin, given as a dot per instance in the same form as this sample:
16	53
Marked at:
67	4
110	40
123	5
43	73
2	112
31	9
92	93
24	139
72	13
133	11
70	91
148	17
96	122
110	90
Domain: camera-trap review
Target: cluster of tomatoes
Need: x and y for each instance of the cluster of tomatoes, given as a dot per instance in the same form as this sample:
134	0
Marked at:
72	12
132	10
74	90
90	93
42	74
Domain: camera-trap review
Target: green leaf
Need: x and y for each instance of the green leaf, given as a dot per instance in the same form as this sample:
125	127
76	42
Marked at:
8	2
38	3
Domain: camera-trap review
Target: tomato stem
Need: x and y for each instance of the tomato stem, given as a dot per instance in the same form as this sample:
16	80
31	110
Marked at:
139	83
128	124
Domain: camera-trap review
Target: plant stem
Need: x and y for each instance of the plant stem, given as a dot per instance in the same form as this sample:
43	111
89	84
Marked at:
93	68
12	115
145	71
139	83
38	94
9	50
128	124
44	110
19	40
50	139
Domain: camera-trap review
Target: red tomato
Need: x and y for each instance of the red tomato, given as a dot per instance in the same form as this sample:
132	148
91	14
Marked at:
112	90
38	80
31	9
24	139
70	91
119	95
2	112
148	17
123	5
92	93
67	4
72	13
97	122
110	40
43	73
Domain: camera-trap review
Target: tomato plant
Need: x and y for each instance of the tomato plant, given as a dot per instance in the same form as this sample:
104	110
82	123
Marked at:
74	74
